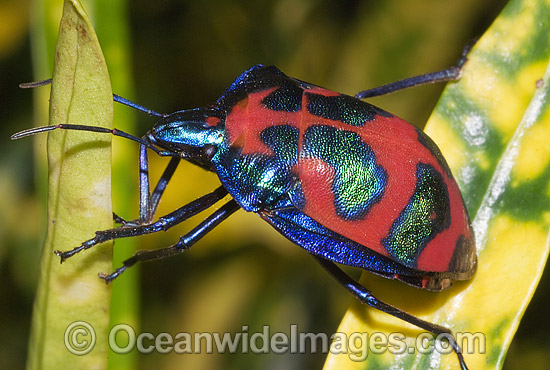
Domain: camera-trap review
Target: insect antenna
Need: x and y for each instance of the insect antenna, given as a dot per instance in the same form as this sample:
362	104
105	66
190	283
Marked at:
67	126
115	132
119	99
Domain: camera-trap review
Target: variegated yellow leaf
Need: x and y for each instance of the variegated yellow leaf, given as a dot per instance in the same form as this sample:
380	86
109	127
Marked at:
493	127
79	203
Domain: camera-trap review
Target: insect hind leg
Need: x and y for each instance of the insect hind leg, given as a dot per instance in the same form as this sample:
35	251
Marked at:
365	296
450	74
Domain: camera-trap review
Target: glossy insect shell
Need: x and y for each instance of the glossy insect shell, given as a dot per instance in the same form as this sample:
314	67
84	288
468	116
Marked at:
340	177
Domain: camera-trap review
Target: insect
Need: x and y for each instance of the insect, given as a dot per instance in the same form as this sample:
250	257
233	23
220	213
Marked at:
347	181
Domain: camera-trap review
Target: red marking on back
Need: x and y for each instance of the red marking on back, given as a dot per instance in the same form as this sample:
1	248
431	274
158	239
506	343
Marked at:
387	137
249	118
397	149
438	253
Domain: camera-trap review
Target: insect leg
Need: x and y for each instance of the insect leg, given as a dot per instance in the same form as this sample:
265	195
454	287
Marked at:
183	244
145	214
163	223
366	297
450	74
149	204
163	181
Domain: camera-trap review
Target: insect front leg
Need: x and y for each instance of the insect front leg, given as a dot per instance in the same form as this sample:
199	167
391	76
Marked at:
145	214
366	297
162	224
183	244
161	185
148	202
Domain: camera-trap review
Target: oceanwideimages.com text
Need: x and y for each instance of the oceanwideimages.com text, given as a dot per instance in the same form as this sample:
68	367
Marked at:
80	338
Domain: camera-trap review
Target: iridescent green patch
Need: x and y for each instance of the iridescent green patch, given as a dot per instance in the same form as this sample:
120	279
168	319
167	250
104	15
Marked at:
359	181
287	98
343	108
283	140
426	214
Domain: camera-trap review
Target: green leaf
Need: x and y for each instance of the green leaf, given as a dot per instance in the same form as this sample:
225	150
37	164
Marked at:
79	203
493	127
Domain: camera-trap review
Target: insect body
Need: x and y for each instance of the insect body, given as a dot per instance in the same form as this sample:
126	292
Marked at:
345	180
342	178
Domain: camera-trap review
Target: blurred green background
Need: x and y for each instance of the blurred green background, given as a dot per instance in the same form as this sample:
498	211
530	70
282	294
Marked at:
170	55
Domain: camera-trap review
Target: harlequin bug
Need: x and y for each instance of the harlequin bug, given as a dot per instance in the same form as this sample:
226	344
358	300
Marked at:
343	179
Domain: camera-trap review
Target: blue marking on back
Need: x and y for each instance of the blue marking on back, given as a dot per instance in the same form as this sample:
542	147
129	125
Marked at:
317	239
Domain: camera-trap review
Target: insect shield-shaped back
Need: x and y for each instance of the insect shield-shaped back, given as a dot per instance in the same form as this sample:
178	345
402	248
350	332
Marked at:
343	179
194	134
